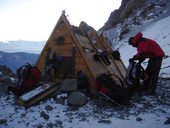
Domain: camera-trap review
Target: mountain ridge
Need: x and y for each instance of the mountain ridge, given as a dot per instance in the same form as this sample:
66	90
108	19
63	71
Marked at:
131	7
17	59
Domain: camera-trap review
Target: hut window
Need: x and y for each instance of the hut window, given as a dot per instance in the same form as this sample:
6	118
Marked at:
60	40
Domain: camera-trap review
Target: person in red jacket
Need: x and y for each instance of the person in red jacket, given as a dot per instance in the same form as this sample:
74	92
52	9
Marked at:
147	48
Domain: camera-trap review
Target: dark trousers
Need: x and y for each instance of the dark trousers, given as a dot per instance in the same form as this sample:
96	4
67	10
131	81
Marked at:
153	69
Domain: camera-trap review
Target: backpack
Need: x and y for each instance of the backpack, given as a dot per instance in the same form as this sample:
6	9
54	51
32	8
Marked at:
134	73
28	76
107	86
82	81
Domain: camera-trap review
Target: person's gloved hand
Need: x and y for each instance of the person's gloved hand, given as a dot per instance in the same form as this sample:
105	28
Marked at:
130	60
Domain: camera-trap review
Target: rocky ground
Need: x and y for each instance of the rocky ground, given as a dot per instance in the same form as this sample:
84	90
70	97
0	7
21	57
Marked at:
55	112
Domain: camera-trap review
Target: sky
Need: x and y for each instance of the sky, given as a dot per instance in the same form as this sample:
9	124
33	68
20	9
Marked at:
35	19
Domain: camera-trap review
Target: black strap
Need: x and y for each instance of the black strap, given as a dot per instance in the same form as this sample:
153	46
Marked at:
121	81
25	74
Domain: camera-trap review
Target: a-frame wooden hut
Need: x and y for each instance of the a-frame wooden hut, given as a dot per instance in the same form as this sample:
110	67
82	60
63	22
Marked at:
75	47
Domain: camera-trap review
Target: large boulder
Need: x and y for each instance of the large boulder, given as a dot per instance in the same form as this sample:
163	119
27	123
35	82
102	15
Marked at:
68	85
7	78
77	98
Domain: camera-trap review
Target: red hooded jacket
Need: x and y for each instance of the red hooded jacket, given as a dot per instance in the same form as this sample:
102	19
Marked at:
146	48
